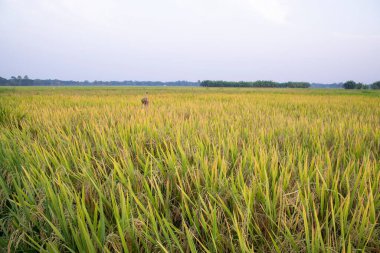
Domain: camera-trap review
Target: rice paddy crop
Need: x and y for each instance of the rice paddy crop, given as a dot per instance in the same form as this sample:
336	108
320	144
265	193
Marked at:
199	170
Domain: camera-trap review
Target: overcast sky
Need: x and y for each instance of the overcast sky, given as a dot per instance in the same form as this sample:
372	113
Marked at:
280	40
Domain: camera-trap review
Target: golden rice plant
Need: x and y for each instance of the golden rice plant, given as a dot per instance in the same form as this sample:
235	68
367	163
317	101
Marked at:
199	170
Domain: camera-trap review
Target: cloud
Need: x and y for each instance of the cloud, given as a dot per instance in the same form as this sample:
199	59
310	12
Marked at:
272	10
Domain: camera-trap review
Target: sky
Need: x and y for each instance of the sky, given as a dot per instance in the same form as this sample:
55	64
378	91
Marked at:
323	41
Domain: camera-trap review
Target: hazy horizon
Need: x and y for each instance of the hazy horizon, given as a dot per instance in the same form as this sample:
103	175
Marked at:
281	40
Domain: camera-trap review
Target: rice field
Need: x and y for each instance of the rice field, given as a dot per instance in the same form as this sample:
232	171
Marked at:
199	170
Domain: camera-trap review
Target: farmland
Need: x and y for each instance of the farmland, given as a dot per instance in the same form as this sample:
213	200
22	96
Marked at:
199	170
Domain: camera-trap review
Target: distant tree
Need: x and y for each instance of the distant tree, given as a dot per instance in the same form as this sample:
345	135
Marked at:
376	85
349	85
26	81
13	80
3	81
18	80
359	86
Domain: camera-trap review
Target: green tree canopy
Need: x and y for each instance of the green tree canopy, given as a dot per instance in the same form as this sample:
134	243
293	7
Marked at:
3	81
349	85
376	85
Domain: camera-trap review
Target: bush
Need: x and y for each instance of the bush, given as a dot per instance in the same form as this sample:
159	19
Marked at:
376	85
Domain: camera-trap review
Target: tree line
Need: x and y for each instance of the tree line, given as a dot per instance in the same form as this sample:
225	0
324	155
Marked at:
354	85
265	84
26	81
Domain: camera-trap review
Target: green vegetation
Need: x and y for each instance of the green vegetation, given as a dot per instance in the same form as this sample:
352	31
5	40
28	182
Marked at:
266	84
358	86
26	81
199	170
376	85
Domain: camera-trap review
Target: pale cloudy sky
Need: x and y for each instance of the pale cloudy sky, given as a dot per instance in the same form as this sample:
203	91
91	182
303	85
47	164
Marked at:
281	40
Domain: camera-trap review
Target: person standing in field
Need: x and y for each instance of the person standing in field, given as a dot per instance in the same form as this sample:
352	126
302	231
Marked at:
145	100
